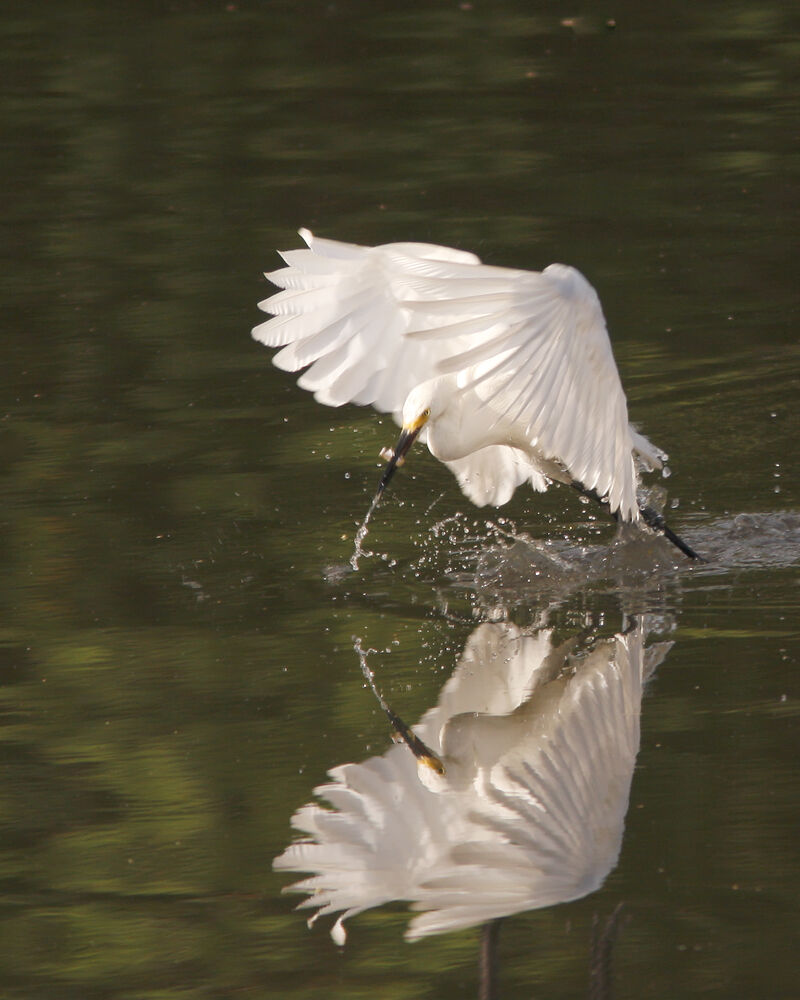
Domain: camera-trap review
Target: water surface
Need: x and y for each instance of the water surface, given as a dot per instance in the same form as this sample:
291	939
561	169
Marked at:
176	666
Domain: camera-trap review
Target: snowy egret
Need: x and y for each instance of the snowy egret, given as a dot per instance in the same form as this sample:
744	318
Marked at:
507	375
537	747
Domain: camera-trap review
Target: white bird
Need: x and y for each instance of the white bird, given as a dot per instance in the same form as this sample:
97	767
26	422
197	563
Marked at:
516	799
508	376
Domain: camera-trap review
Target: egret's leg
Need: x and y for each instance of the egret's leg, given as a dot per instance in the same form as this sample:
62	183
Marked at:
488	960
653	519
650	517
600	979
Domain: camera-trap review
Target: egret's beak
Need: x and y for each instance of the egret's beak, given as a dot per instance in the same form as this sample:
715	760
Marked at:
401	449
407	437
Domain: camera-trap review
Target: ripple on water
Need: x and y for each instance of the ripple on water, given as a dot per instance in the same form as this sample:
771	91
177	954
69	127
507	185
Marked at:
512	565
751	540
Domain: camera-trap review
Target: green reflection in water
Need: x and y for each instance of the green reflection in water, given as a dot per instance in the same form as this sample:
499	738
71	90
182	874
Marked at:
176	668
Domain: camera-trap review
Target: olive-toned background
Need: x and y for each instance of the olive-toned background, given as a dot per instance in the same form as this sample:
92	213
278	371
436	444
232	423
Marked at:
176	662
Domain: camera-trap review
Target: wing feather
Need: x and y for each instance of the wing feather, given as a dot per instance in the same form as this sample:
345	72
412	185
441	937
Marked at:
342	309
558	377
491	475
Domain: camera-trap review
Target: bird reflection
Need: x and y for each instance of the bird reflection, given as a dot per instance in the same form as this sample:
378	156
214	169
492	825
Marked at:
535	745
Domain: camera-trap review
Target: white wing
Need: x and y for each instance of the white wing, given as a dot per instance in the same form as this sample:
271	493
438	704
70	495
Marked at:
343	313
491	475
372	323
542	364
383	833
556	806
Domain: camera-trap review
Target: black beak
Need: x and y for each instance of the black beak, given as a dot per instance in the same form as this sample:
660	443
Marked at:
401	449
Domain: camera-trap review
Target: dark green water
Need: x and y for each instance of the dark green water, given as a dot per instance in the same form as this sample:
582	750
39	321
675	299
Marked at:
176	661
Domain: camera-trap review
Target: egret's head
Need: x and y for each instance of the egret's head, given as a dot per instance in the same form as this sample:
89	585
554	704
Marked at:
421	404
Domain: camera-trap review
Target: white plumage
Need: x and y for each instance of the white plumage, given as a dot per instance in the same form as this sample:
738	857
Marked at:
538	747
507	375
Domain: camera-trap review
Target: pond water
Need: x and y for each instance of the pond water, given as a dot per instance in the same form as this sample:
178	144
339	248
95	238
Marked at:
177	661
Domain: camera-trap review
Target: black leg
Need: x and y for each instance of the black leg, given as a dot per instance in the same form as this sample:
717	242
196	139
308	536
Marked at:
656	521
488	960
600	981
650	517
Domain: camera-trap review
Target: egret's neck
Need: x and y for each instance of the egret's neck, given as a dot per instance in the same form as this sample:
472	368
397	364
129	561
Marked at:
460	424
443	431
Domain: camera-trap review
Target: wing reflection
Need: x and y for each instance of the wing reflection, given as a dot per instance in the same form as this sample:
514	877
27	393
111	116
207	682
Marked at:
538	744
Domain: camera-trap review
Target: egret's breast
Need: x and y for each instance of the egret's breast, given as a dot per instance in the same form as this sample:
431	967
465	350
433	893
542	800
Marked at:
465	425
447	442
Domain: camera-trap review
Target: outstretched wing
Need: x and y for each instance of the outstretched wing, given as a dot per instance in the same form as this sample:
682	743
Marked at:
541	361
491	475
555	807
342	312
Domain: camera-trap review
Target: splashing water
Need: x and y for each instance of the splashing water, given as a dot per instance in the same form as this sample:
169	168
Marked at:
369	675
361	534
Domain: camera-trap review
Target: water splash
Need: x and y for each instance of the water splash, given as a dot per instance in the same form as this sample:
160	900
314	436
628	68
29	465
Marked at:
361	534
369	675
